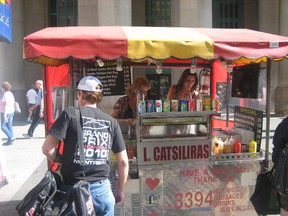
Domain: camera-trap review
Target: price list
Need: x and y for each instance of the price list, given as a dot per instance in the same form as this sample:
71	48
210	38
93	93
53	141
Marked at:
250	119
114	82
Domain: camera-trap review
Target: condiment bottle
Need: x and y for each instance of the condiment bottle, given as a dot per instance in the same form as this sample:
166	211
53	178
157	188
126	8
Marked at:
219	143
237	147
231	142
226	149
252	147
213	143
216	149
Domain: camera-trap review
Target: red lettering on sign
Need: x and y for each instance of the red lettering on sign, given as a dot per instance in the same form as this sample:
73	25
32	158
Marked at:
239	169
174	153
221	170
193	172
167	153
145	154
156	154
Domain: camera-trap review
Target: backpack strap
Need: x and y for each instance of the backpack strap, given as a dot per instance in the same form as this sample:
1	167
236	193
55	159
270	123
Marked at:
80	136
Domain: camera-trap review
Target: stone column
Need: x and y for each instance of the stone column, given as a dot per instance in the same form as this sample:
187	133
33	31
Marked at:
281	94
115	12
269	22
104	13
88	13
195	13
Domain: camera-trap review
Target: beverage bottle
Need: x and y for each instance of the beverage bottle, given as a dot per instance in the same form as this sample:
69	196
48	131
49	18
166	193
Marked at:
252	147
161	92
141	105
130	149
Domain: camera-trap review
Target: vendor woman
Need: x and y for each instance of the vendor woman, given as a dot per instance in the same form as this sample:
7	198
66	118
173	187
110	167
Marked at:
186	87
125	108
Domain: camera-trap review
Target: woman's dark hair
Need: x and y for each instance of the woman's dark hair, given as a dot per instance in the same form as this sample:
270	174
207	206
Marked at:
184	77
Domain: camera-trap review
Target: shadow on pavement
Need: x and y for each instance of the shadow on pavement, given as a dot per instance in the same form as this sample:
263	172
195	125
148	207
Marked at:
7	208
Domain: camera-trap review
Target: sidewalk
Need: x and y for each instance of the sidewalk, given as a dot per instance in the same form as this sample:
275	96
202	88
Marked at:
25	166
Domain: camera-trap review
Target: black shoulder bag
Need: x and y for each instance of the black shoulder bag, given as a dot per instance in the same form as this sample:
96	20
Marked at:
264	197
279	174
45	199
38	199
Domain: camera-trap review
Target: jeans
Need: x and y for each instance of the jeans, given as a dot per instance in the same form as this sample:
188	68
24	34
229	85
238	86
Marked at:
102	196
36	120
6	127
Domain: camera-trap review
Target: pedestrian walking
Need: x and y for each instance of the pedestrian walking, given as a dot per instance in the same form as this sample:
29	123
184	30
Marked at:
39	110
280	140
31	96
101	133
7	110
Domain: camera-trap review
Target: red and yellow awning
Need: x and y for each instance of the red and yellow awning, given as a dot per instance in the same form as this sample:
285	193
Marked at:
56	45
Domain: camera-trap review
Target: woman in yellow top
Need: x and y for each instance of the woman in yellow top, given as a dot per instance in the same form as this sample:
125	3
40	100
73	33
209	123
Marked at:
186	87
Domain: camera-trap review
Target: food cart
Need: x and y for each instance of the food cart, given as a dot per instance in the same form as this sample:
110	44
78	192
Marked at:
175	170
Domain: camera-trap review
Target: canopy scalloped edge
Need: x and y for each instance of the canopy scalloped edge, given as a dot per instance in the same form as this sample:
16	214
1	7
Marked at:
57	62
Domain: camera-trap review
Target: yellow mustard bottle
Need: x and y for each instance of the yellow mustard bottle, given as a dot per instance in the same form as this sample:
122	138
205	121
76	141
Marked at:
252	147
220	145
213	143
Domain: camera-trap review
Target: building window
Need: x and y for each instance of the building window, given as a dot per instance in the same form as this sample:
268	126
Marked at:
227	13
158	13
62	13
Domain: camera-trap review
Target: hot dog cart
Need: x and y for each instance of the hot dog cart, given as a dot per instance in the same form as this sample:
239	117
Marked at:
174	168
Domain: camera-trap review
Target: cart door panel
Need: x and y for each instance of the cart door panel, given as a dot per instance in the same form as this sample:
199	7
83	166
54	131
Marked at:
57	82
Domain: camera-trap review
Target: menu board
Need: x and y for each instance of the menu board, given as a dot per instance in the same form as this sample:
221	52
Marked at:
250	119
114	82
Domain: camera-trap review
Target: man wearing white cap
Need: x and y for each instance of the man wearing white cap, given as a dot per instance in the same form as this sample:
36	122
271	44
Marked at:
101	134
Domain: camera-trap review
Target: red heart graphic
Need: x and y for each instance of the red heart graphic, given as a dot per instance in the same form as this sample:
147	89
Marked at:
152	214
152	182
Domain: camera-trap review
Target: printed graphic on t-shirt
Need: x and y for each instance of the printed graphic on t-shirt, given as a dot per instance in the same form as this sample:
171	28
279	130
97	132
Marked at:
97	141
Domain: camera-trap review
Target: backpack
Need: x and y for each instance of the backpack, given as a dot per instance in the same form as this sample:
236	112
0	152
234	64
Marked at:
36	201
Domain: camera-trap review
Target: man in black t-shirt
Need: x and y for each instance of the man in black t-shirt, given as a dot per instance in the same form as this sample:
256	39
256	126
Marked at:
280	140
101	134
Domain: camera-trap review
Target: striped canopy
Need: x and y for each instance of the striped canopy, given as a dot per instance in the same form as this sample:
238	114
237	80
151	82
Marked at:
56	45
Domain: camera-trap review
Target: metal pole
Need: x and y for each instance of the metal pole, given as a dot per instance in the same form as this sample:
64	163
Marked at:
227	96
268	101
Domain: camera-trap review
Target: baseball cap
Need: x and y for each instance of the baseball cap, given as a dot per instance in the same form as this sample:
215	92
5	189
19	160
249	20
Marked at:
90	83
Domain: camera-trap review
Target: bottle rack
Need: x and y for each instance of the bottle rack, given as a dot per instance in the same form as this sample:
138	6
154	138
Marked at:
245	156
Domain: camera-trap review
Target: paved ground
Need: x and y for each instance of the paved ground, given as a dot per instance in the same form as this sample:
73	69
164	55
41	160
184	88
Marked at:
26	165
23	165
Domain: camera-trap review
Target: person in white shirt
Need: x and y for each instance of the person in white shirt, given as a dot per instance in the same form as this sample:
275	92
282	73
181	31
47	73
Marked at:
31	96
39	110
7	110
